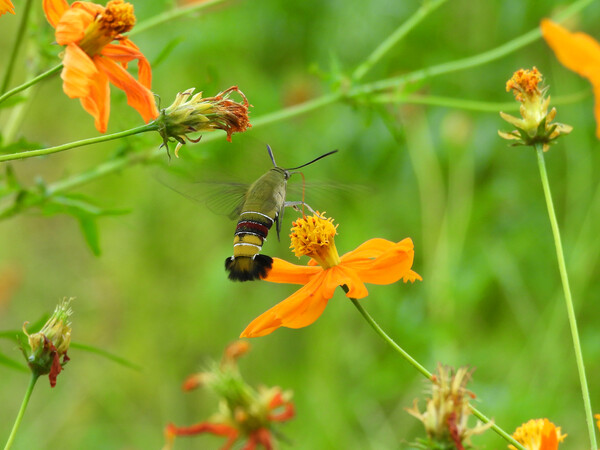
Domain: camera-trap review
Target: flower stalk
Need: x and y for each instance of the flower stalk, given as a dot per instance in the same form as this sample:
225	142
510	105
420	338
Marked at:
15	428
568	298
413	362
16	46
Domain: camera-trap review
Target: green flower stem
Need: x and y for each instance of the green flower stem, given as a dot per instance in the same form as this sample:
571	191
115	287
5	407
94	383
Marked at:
16	46
31	82
61	148
471	105
427	8
568	299
170	15
423	370
13	433
356	91
469	62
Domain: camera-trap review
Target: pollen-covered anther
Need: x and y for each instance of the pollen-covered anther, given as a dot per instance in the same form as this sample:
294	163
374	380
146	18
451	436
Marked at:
314	237
117	18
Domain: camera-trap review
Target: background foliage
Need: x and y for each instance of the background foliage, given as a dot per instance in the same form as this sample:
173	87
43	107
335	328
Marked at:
158	295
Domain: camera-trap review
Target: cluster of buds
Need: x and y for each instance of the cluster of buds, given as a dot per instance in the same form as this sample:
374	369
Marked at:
244	413
535	125
447	411
44	349
193	114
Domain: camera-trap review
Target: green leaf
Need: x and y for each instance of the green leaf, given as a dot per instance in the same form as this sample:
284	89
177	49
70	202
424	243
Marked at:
166	51
13	363
89	228
107	355
12	101
20	146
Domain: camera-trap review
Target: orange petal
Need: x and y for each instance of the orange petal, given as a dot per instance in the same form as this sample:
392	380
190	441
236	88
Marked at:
219	429
139	97
6	6
127	51
72	25
549	439
97	103
369	249
386	268
54	9
578	52
77	72
341	275
298	310
285	272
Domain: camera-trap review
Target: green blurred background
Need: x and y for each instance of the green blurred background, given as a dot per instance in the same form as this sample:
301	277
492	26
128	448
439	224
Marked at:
158	294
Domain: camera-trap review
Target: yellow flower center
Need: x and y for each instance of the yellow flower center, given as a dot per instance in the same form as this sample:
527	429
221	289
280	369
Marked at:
117	18
313	236
524	82
531	434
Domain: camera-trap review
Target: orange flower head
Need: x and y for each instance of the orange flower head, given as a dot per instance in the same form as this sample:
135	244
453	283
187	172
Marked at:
44	349
538	434
578	52
597	416
535	125
194	114
447	411
97	53
6	6
244	413
376	261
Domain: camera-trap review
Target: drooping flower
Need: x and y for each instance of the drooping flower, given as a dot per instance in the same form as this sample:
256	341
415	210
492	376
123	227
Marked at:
538	434
578	52
447	412
96	52
45	348
193	114
6	6
535	126
244	413
376	261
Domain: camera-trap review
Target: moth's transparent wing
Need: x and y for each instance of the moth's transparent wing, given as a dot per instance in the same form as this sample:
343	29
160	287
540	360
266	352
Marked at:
226	198
320	195
221	197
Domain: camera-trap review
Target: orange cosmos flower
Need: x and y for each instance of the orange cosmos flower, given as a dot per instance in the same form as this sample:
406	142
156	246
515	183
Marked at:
6	6
91	59
377	261
244	413
538	434
578	52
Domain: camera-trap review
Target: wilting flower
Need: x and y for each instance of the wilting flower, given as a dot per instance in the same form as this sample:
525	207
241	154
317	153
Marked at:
45	348
6	6
376	261
91	59
192	114
244	413
447	411
535	126
538	434
578	52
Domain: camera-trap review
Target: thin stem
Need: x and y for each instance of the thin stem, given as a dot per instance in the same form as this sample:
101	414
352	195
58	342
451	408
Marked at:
427	8
16	46
568	299
170	15
472	61
471	105
423	370
15	428
31	82
61	148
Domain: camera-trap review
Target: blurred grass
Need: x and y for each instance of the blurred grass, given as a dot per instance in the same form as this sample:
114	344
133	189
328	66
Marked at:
158	296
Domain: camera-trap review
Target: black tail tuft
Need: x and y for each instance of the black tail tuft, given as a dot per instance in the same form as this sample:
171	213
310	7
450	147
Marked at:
244	268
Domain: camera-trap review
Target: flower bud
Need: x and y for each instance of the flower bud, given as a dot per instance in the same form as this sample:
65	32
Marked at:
46	347
194	114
